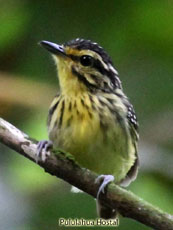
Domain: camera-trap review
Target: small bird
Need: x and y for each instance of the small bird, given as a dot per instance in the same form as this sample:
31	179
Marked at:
91	117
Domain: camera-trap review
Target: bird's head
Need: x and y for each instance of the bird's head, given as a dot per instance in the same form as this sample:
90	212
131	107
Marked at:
83	66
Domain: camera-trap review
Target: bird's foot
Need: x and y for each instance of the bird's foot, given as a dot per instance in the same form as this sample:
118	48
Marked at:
42	150
106	179
102	211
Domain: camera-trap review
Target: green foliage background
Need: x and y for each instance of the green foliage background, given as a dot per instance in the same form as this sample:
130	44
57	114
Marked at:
138	35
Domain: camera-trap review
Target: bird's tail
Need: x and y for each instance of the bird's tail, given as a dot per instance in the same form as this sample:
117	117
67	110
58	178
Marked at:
105	212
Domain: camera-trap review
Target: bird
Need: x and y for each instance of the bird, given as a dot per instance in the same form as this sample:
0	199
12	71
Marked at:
91	117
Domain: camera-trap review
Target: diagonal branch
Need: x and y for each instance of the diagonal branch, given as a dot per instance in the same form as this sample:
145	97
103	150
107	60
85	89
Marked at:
62	165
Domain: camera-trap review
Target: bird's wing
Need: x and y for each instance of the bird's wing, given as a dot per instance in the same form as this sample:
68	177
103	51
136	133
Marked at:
133	126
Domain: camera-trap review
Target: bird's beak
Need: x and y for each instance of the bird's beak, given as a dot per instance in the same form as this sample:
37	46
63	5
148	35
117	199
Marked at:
53	48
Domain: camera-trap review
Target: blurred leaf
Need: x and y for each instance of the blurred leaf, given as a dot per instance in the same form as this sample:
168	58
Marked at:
14	18
29	178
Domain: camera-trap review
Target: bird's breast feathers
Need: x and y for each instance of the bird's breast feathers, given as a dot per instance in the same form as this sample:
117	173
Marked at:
95	136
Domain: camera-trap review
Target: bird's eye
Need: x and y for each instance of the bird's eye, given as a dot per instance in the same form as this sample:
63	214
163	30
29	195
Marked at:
86	60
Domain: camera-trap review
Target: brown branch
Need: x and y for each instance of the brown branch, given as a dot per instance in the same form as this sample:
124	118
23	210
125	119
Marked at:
61	164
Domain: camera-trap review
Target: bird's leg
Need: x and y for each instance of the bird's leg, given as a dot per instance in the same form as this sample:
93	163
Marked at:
104	212
42	148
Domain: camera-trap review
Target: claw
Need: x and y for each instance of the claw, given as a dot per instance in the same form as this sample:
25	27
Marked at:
42	148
